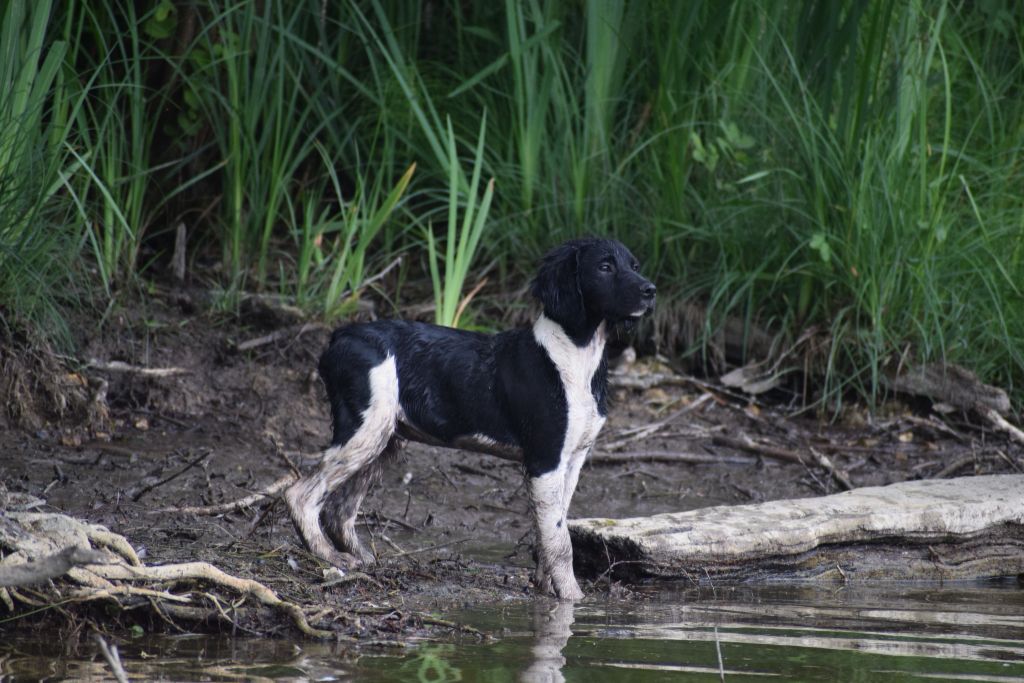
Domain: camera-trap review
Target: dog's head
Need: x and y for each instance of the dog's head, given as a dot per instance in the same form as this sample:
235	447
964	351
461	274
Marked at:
586	281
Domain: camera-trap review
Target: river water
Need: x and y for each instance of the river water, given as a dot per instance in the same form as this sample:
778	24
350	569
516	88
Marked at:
972	632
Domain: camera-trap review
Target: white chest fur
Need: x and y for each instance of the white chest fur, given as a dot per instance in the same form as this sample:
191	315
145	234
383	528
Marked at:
576	366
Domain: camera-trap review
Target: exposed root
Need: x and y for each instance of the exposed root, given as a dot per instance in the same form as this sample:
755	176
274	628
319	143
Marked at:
63	544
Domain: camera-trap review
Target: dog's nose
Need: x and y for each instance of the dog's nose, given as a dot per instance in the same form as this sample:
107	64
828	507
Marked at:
648	291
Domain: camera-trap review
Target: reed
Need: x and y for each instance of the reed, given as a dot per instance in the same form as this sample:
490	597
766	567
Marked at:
843	171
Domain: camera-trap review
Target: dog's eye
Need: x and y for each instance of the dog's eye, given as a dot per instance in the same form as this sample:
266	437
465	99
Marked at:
636	266
606	267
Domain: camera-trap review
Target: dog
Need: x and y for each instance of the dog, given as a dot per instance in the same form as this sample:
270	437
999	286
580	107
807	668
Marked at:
536	395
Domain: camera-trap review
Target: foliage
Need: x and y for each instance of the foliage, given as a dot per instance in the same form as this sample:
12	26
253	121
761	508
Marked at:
847	167
34	247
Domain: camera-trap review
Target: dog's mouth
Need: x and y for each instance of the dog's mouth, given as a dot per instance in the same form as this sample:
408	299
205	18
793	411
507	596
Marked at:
642	311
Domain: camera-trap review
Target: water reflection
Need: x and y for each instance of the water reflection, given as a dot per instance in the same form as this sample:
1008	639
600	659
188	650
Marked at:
908	633
551	632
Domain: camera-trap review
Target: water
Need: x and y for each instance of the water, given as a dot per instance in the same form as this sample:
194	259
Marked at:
906	633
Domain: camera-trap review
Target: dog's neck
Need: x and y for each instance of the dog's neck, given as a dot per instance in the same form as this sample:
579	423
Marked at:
582	330
568	355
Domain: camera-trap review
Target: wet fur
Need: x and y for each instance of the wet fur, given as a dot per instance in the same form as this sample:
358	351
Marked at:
534	395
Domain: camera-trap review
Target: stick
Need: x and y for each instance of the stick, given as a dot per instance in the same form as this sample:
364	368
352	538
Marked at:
277	336
954	466
428	548
1000	423
746	444
837	474
241	503
387	269
119	366
601	458
637	433
136	494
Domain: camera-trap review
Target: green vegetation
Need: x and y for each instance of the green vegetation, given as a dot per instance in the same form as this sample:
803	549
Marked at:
852	168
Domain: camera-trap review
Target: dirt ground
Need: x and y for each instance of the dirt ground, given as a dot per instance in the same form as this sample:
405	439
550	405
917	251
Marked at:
448	528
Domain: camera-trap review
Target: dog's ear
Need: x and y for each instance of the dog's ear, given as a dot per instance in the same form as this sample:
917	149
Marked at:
557	284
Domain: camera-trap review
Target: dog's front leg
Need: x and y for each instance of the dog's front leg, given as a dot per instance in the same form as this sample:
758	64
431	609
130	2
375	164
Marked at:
554	556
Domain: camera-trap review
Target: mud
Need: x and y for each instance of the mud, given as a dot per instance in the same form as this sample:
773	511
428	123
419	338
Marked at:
449	529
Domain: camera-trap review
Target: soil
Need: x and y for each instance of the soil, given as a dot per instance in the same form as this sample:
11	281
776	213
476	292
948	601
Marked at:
449	528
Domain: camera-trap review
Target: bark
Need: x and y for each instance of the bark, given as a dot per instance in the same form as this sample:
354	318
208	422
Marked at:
938	530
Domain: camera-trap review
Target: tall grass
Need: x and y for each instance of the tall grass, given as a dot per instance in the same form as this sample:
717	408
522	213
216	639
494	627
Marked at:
845	171
35	249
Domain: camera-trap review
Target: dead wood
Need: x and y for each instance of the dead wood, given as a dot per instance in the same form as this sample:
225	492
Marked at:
120	366
294	331
815	458
621	457
647	380
950	384
1000	423
49	567
645	431
951	529
240	504
151	482
105	576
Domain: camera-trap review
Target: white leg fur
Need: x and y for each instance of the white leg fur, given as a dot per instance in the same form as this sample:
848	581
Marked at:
554	556
306	497
551	497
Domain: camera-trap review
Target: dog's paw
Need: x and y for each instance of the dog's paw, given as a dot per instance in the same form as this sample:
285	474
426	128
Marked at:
571	593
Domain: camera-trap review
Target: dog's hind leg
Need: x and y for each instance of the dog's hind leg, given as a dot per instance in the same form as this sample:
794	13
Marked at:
307	497
338	517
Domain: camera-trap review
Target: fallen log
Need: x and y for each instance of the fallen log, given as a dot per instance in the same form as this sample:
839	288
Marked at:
933	530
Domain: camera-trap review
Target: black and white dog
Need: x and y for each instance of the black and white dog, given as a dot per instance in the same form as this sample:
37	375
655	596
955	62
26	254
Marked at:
537	396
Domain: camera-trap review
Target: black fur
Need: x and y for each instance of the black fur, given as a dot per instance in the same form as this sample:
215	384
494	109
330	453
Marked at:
456	384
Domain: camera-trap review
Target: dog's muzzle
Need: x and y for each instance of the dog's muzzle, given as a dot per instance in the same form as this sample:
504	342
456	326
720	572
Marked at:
648	293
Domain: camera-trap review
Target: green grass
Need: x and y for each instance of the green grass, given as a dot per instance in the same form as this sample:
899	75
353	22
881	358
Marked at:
844	174
36	249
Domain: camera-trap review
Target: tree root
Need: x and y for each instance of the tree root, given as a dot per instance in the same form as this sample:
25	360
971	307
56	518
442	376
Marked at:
65	548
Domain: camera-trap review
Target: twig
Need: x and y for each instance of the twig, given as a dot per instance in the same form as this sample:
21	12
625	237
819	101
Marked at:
379	276
241	503
428	548
600	458
642	432
952	467
136	494
349	577
837	474
654	379
277	335
468	469
120	366
455	626
747	444
1000	423
113	659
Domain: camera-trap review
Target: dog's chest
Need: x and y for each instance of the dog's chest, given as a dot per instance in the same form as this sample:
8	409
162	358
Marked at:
576	367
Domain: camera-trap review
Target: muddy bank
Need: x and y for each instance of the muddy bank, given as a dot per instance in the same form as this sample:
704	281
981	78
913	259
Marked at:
240	406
